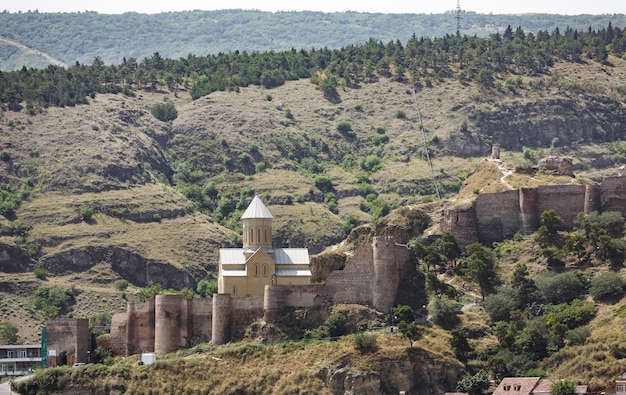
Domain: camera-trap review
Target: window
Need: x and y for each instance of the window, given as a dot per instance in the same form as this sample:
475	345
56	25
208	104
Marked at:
251	235
256	270
264	270
507	387
234	290
516	387
21	354
258	233
620	388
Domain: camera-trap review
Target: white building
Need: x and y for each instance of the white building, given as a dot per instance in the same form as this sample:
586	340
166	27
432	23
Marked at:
19	359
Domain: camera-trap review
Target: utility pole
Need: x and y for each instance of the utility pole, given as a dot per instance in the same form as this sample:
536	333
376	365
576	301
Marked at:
458	17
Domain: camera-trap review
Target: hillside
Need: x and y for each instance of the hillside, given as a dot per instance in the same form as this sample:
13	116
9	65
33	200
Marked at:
101	192
81	37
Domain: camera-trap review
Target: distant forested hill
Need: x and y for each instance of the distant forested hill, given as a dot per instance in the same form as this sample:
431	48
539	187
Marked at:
72	37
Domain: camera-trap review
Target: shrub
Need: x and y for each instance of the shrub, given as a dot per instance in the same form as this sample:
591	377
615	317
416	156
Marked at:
268	97
288	113
40	273
371	163
557	288
120	285
85	213
578	335
100	319
344	127
336	324
164	111
444	313
206	288
156	217
607	286
364	342
20	228
400	114
323	183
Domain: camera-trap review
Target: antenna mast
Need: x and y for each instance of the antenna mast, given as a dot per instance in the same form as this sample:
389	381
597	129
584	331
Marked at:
458	17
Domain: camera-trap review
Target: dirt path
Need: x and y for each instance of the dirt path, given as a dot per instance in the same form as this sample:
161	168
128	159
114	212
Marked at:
505	172
49	58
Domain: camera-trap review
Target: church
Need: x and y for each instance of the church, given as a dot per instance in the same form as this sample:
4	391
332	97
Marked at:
246	271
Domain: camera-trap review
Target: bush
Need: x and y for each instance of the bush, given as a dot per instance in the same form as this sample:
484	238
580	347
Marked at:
85	213
444	313
40	273
120	285
400	114
364	342
164	111
336	324
323	183
206	288
557	288
344	127
607	286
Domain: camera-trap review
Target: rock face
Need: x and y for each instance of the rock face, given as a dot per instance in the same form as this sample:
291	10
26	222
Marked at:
418	373
129	265
14	259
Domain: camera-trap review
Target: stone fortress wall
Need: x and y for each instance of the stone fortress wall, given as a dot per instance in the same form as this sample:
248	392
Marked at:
170	322
497	216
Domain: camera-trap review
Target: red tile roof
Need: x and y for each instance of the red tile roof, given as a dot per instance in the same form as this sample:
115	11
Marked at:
516	386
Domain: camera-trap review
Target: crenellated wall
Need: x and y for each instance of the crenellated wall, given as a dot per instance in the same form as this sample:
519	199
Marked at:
496	216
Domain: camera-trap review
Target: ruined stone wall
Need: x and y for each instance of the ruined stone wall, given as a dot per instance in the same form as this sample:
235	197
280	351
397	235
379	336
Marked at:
277	297
566	200
353	283
115	343
390	265
69	335
496	216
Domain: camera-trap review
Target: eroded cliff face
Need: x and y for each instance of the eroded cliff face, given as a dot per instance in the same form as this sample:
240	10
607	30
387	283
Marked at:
581	119
417	372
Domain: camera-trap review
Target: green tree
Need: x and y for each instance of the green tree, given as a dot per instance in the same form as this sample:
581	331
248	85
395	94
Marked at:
607	286
445	313
474	384
410	331
403	313
206	288
563	387
336	324
479	266
165	111
8	333
459	344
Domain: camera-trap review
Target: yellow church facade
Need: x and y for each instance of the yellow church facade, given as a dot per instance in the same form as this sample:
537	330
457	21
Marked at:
246	271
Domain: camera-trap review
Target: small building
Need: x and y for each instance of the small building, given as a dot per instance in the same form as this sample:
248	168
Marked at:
18	360
620	385
246	271
516	386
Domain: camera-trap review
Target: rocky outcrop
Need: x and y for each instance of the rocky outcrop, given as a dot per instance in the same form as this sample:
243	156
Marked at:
419	373
14	259
129	265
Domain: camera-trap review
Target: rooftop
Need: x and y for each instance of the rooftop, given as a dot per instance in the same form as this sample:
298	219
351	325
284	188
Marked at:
257	209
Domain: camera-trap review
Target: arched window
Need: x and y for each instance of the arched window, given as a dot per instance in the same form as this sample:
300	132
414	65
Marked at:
256	270
264	270
234	290
251	235
265	235
258	233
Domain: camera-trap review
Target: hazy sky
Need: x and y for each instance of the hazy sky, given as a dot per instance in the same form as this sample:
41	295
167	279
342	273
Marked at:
570	7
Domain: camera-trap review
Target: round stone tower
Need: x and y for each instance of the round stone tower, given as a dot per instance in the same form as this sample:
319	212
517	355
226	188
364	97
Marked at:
529	210
593	198
169	323
257	225
221	319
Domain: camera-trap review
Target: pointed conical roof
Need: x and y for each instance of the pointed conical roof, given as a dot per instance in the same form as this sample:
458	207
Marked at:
257	209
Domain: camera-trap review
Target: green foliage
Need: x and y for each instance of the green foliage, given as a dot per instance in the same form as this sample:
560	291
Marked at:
52	301
555	288
206	288
479	266
121	284
100	319
149	292
459	344
500	304
371	163
9	202
563	387
20	228
8	333
40	273
323	183
85	213
350	221
474	384
345	127
44	381
400	114
165	111
607	286
403	313
365	342
445	313
336	324
410	331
